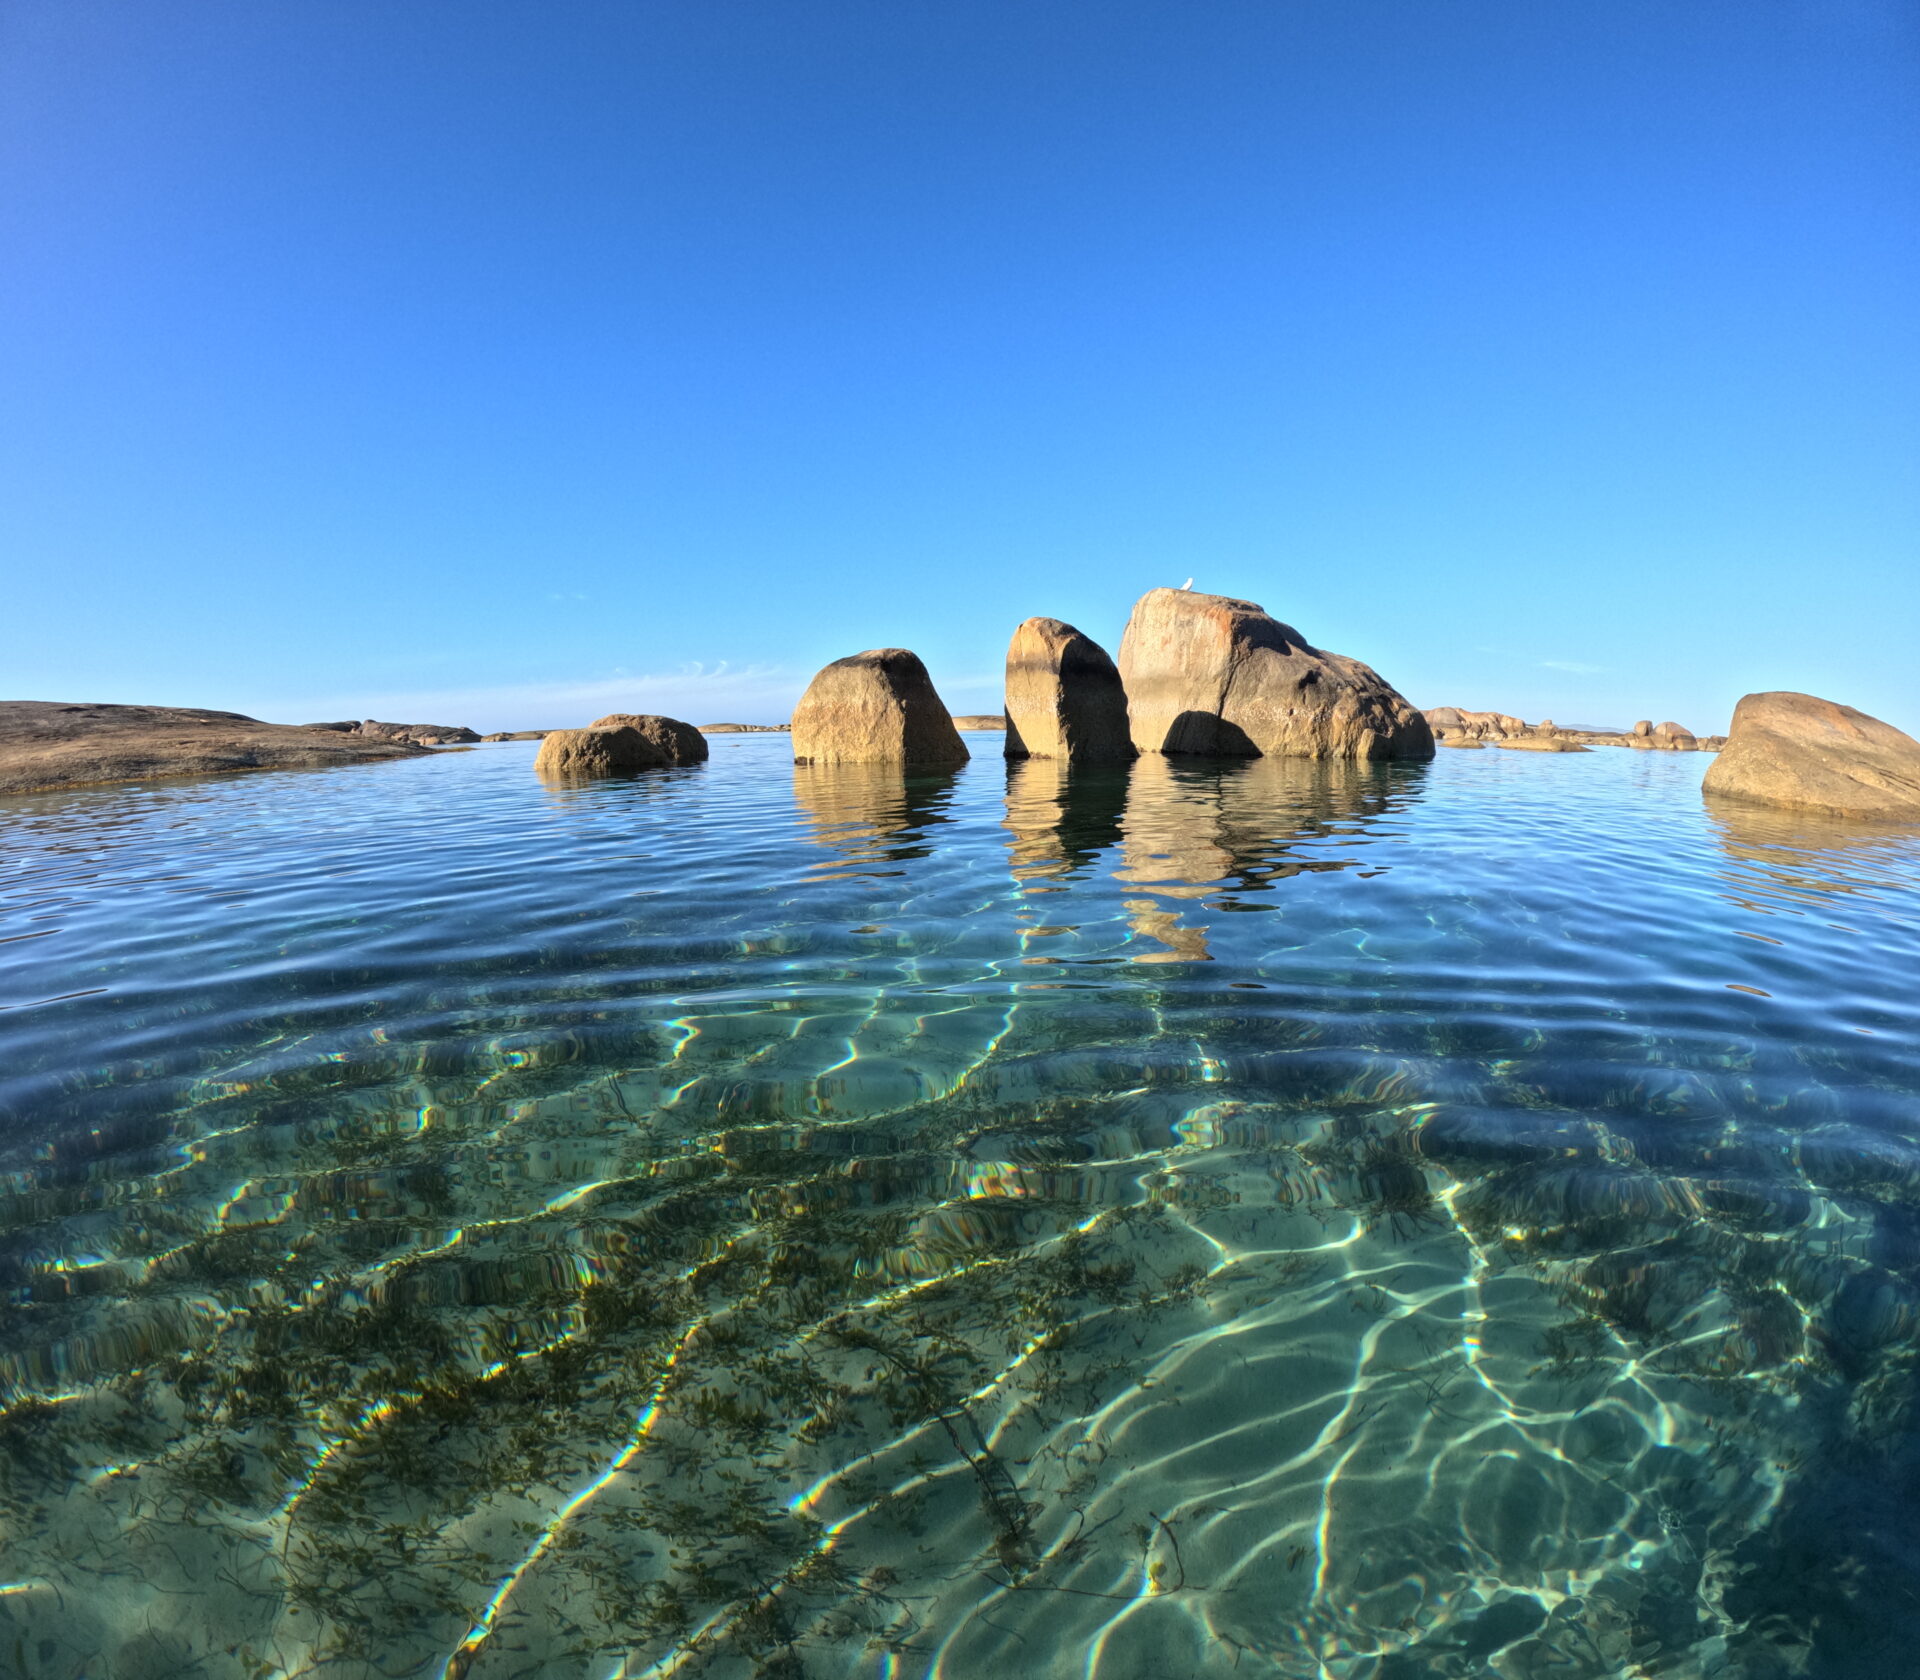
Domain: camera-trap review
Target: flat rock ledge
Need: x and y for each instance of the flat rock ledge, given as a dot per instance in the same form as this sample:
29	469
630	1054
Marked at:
980	720
1808	754
1533	743
421	734
45	744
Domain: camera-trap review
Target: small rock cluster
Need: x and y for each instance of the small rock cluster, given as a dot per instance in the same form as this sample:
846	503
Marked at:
420	734
1197	674
1455	727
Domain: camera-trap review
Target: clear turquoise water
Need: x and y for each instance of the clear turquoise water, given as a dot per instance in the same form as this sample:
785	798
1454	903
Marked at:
1421	1221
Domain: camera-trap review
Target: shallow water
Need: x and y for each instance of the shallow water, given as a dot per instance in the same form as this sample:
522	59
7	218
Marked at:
1413	1221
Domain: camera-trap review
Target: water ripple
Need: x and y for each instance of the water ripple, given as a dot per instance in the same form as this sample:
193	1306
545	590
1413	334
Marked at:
1388	1223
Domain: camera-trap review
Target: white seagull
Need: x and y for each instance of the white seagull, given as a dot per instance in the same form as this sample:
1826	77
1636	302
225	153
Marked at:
1188	584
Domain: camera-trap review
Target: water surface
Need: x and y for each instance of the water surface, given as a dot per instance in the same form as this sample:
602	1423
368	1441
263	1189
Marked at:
1251	1218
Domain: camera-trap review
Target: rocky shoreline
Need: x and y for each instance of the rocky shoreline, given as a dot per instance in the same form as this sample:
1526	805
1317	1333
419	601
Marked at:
1453	727
46	745
1198	676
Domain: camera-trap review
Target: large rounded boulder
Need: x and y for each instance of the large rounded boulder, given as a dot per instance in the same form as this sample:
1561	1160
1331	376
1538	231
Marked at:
583	754
1210	674
1810	754
681	742
877	707
1064	697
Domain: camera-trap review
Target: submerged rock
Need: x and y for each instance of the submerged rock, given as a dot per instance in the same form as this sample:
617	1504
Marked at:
577	754
1064	697
877	707
1211	674
681	742
1816	755
44	744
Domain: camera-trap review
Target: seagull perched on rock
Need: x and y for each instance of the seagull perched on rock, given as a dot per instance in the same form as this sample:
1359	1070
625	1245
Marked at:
1188	584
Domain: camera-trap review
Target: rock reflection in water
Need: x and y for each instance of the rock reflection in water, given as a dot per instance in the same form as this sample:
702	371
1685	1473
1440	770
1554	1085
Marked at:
872	815
1809	856
1227	831
1060	818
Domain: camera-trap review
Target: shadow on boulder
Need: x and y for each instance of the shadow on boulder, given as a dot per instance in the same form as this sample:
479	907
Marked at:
1207	735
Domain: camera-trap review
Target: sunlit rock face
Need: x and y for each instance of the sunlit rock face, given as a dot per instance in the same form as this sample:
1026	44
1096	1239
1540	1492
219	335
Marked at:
584	754
1064	697
681	742
1208	674
877	707
1816	755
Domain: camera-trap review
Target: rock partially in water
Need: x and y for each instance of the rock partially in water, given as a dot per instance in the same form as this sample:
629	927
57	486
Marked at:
681	742
1064	697
1674	736
1209	674
517	735
1541	743
877	707
1810	754
580	754
1456	723
744	728
421	734
980	720
44	744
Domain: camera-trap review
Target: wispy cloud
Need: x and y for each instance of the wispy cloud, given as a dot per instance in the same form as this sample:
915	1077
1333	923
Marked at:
1572	665
700	693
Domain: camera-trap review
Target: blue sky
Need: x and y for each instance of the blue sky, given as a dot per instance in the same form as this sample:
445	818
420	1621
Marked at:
502	363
